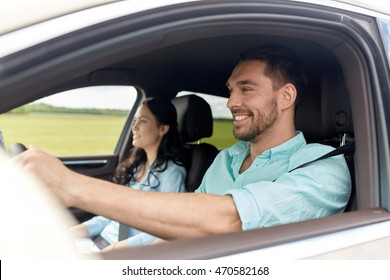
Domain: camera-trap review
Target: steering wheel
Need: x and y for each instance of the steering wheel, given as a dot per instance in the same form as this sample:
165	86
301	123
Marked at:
16	149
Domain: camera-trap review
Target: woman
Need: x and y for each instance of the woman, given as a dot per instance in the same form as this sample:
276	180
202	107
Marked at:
156	163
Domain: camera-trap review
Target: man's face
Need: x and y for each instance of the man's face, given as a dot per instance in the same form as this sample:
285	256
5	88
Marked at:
252	101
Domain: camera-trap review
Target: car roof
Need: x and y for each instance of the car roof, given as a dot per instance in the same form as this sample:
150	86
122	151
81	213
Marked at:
379	6
34	11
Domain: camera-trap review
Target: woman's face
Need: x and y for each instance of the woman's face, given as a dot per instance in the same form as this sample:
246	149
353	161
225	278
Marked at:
147	133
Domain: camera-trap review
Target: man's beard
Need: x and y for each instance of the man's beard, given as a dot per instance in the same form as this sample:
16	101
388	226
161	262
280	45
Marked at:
266	119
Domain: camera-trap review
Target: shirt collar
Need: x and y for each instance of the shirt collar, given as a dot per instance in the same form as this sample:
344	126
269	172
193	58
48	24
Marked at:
287	148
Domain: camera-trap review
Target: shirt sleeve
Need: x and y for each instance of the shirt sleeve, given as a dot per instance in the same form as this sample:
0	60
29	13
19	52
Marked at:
317	190
96	225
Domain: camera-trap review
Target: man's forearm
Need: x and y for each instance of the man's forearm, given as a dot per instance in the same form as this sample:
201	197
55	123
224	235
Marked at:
166	215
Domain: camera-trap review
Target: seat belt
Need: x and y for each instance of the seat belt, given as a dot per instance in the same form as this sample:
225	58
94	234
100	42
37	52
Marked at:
348	148
123	232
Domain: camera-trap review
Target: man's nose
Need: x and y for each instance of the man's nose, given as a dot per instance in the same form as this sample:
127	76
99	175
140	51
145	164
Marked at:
233	100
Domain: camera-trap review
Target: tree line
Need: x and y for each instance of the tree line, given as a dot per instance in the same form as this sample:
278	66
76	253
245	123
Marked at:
46	108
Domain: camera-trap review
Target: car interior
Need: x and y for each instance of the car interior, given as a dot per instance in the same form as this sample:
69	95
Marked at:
323	113
197	54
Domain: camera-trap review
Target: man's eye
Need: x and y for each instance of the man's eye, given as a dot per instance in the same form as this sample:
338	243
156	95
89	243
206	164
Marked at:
246	89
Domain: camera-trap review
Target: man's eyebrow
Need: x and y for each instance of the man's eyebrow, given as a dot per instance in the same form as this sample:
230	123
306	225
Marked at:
246	82
243	82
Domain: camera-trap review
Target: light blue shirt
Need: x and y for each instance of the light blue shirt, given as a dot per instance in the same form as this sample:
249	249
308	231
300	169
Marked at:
267	194
172	179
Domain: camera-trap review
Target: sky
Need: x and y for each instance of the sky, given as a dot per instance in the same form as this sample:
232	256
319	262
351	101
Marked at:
108	97
118	97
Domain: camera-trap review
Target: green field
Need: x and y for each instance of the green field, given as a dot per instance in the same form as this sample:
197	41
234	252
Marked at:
222	134
75	134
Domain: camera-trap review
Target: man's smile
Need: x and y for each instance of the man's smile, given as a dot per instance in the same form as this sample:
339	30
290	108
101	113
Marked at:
240	118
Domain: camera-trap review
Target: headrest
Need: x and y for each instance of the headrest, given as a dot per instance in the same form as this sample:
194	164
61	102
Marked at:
194	117
323	109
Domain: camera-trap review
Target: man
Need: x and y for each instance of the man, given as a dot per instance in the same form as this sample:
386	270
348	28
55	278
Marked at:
250	185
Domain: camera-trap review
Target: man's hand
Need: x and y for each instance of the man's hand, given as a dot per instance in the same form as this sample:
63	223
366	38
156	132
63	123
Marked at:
48	169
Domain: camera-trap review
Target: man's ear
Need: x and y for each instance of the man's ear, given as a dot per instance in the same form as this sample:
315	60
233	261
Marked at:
288	96
163	129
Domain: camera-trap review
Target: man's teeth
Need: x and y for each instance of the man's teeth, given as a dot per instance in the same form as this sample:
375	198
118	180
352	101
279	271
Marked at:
239	118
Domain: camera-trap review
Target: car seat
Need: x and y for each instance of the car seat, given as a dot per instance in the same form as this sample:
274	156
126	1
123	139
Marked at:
195	122
324	114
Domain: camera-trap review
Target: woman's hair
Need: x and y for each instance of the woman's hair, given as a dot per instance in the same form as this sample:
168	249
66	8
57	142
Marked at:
170	147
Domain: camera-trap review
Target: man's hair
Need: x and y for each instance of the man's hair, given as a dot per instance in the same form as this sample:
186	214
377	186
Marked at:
282	65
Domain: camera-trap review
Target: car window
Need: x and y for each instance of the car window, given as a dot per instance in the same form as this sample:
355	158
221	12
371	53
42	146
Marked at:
385	30
84	121
222	125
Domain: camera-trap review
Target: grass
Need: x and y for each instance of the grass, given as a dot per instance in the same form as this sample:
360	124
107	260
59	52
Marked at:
222	134
74	134
63	134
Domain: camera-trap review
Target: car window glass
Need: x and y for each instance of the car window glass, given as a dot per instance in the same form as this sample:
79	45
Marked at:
222	126
385	30
84	121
